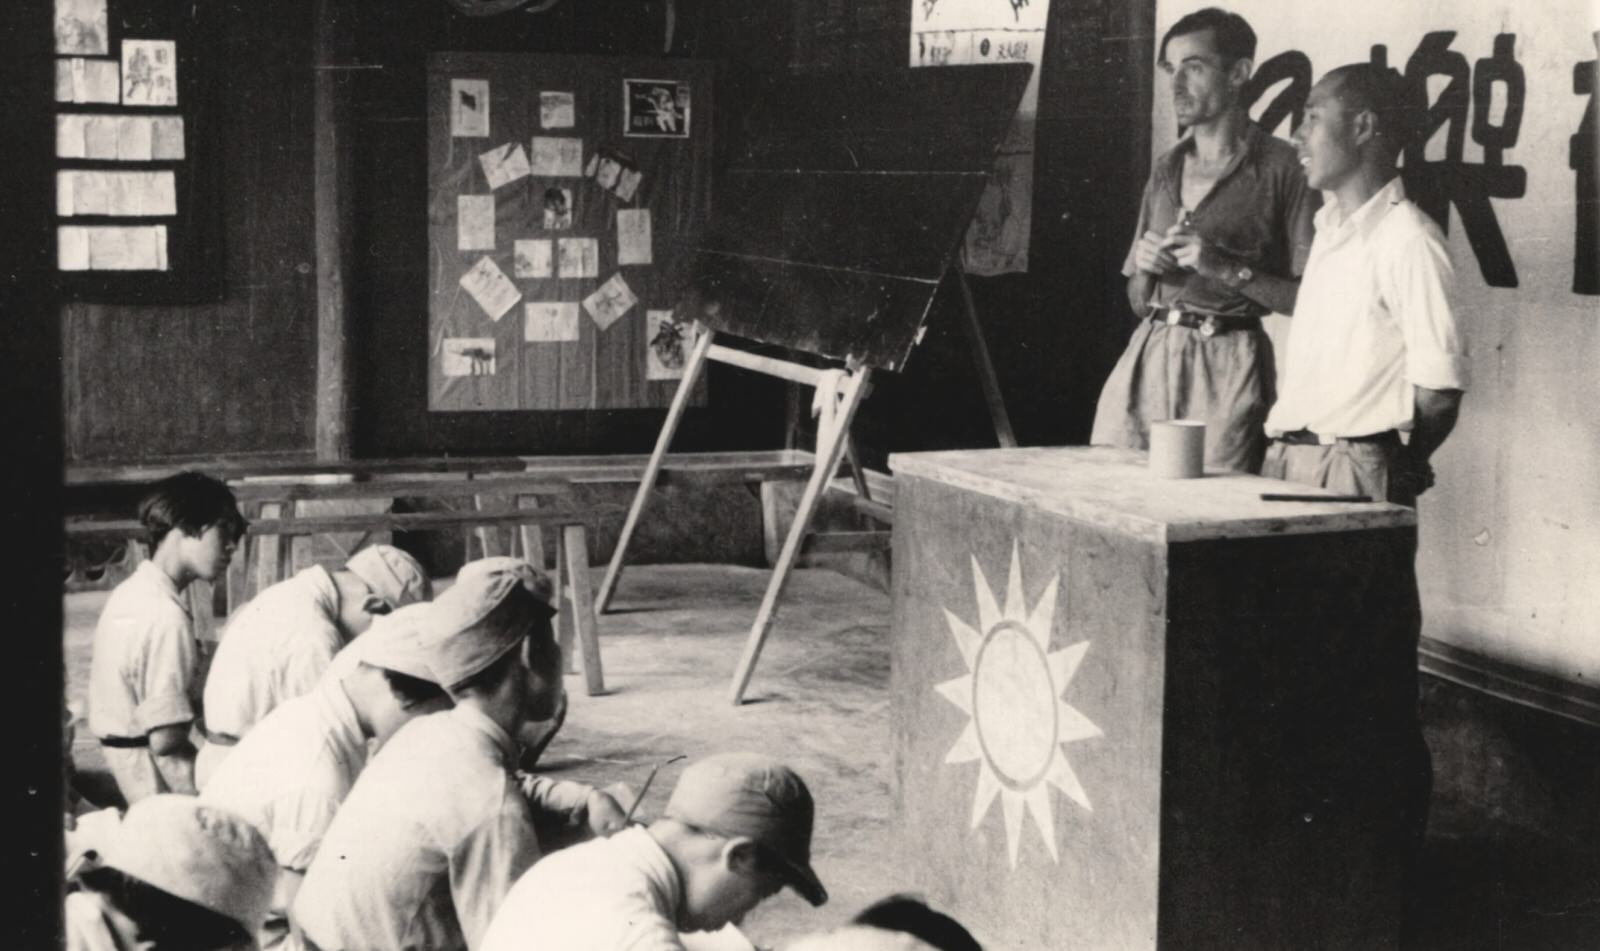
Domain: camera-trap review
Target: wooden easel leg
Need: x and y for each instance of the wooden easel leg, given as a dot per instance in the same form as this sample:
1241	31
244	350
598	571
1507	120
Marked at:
575	546
680	402
857	474
980	357
830	449
566	622
532	536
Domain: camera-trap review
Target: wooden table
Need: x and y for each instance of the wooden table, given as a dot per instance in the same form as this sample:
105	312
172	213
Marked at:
1134	713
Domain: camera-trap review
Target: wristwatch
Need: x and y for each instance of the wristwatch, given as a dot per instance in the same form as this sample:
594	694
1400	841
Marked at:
1238	276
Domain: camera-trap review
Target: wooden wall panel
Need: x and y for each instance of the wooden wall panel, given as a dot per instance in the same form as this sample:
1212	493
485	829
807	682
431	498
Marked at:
238	375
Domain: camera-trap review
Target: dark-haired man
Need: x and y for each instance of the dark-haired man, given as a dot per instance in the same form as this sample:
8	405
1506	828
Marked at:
438	826
1375	349
143	676
291	773
1224	230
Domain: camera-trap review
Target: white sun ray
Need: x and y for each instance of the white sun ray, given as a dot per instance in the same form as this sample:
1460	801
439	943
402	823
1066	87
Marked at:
967	748
1011	805
988	788
1016	604
988	612
1064	664
1038	800
1061	776
967	640
958	692
1042	621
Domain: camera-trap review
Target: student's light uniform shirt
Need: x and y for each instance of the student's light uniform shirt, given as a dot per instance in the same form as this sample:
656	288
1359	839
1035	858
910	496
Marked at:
602	895
142	674
288	778
428	841
1374	317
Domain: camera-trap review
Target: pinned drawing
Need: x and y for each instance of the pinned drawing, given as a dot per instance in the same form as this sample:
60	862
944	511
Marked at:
124	194
475	222
469	108
556	110
489	286
531	258
557	209
149	73
81	27
111	248
607	304
578	257
550	322
467	356
666	345
504	164
627	183
633	236
557	156
88	80
614	172
655	108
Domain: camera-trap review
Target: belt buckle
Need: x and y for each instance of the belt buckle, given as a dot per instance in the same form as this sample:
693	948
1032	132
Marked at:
1174	317
1209	326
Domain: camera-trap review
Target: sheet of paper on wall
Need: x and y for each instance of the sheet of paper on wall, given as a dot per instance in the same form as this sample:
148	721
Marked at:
531	258
962	32
489	286
633	236
557	156
628	183
88	81
474	222
556	110
126	194
610	301
81	27
578	257
72	248
149	73
667	343
132	248
101	135
135	139
166	138
550	322
655	108
557	209
70	130
504	164
606	172
469	108
467	356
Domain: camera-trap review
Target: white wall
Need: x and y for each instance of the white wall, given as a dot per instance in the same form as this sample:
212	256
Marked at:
1510	547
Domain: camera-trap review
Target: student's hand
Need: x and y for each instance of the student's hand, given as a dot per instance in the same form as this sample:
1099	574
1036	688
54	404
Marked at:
1150	255
605	815
1412	475
1192	253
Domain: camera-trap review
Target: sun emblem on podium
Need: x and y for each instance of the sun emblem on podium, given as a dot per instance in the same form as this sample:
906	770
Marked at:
1012	693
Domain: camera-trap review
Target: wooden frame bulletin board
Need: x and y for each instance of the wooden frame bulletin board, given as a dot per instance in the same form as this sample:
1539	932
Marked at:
565	194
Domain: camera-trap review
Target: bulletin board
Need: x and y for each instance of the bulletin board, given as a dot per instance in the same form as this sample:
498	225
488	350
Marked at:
565	195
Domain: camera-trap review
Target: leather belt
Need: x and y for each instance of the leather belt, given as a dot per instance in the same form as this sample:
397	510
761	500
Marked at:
125	742
1305	437
1207	324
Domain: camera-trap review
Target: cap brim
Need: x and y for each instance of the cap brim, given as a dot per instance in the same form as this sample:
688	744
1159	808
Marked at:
803	880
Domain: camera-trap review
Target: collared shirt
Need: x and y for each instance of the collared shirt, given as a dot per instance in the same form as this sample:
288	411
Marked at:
602	895
145	664
274	650
428	841
1374	319
1259	213
289	776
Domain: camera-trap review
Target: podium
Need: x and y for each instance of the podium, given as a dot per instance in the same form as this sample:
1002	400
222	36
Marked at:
1142	713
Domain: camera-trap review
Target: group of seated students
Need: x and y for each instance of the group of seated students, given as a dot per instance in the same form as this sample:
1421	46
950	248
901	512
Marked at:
360	782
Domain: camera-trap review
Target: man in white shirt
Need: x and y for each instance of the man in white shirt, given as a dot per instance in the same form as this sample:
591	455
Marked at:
736	830
290	775
438	827
1374	349
279	644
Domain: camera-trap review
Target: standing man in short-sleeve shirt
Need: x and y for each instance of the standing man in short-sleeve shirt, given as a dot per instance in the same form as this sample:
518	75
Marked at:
1224	230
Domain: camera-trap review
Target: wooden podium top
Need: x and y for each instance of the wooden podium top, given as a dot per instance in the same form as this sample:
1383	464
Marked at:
1114	490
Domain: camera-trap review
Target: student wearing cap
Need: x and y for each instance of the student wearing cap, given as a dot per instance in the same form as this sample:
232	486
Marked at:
144	674
176	875
291	773
438	827
736	830
279	645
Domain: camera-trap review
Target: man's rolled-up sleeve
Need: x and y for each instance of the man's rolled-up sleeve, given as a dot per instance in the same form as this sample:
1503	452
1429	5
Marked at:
167	675
1422	298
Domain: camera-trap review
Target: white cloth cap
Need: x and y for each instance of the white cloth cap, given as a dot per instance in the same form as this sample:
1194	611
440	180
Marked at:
393	575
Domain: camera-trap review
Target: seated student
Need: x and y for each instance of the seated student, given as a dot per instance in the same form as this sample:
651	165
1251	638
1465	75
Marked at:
896	923
143	677
291	773
736	829
279	644
177	875
437	827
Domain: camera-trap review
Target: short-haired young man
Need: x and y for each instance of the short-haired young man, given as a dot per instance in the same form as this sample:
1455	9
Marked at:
438	826
1224	230
278	645
290	775
736	830
143	676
